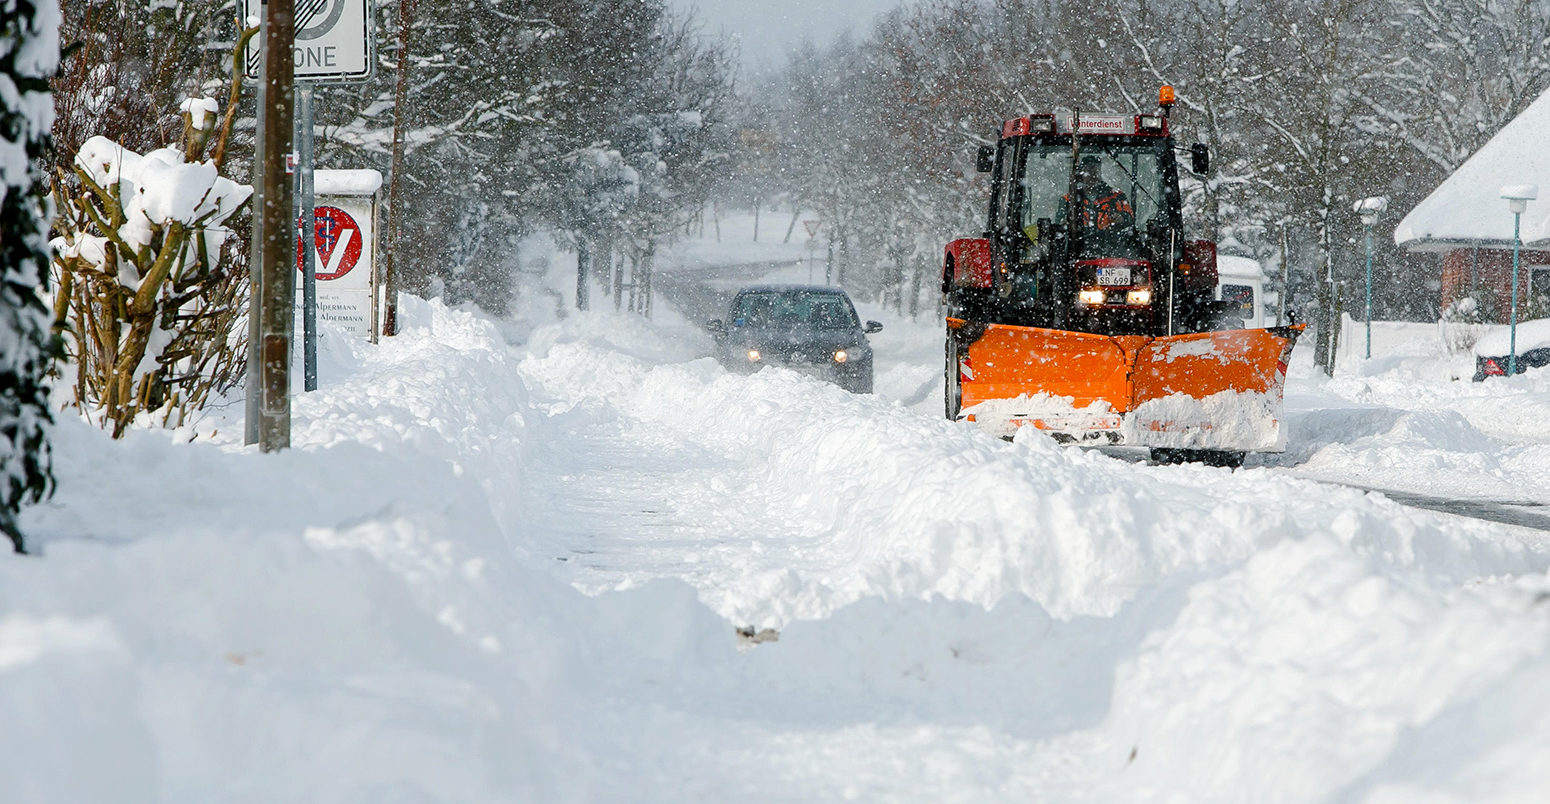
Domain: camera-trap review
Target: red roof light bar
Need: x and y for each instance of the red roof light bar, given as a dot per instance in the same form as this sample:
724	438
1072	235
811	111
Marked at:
1140	125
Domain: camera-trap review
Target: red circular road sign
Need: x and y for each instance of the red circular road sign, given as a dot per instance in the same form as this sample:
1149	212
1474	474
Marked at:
338	243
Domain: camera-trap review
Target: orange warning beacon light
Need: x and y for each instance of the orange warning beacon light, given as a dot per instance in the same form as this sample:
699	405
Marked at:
1165	97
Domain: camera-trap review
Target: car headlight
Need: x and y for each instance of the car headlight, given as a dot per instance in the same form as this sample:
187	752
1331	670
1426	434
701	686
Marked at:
1139	297
1090	297
753	355
840	356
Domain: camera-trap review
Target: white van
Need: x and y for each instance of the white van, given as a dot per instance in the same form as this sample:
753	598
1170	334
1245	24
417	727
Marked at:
1241	280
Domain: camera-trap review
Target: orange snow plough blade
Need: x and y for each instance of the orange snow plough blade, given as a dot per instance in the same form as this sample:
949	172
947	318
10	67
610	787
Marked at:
1209	390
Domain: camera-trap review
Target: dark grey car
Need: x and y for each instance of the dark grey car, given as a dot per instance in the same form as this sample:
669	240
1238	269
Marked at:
1533	344
809	328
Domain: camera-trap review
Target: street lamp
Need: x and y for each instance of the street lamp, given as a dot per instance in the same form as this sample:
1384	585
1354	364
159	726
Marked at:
1518	196
1370	209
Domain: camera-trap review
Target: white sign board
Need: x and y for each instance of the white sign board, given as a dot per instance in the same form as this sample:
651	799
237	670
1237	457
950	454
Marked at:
334	42
345	256
1104	124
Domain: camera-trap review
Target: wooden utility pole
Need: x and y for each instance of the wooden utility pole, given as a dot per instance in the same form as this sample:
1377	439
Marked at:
406	10
277	296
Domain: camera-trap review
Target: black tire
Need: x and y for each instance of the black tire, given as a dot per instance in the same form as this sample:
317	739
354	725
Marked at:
1210	457
1223	458
969	304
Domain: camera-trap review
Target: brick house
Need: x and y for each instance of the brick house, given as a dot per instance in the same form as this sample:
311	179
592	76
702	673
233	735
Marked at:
1466	221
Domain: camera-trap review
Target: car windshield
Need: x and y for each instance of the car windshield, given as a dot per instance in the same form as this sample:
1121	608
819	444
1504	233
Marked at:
793	310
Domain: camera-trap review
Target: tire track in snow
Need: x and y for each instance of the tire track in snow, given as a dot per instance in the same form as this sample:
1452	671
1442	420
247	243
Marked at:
619	505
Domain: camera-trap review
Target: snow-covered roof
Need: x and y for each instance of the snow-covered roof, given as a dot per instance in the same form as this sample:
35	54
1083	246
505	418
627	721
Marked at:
1467	208
1228	265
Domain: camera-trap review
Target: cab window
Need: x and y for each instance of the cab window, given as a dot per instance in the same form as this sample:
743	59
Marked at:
1240	295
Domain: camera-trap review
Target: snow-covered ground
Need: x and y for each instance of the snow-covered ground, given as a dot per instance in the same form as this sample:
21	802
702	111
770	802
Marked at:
508	564
775	238
1409	419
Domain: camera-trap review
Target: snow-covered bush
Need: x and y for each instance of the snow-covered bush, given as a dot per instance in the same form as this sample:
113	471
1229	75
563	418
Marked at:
1465	320
152	310
29	55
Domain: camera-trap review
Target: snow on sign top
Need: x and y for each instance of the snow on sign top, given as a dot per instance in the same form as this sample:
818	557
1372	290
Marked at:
334	41
1467	208
363	181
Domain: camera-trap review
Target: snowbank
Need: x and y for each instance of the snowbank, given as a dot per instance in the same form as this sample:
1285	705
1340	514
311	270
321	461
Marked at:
884	501
1531	335
394	609
1410	420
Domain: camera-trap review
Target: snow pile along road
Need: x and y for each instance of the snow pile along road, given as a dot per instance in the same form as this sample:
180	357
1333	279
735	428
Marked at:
872	499
394	610
1410	420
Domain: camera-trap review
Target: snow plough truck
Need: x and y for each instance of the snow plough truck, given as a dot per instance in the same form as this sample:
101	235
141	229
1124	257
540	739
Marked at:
1084	312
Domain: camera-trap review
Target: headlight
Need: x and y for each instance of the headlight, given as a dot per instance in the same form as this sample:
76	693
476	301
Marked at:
1090	297
1139	297
753	355
840	356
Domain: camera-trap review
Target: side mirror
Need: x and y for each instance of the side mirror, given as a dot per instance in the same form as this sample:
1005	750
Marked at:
985	160
1200	158
716	326
873	326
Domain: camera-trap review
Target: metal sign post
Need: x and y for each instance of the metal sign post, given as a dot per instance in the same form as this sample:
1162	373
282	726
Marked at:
1517	196
254	407
1369	209
306	220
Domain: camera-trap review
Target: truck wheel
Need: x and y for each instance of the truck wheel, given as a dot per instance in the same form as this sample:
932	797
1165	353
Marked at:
1168	456
1216	457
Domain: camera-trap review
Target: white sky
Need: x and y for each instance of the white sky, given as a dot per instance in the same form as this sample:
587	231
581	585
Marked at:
766	29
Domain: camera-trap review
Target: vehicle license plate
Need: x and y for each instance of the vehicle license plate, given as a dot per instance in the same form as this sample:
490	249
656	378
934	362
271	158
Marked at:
1113	276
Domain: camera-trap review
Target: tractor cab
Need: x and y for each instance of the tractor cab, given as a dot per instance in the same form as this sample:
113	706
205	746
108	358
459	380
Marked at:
1086	229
